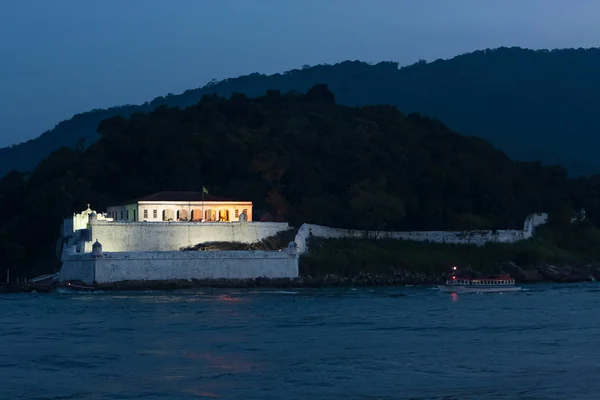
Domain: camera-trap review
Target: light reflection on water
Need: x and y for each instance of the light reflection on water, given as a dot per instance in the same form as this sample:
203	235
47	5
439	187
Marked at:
331	343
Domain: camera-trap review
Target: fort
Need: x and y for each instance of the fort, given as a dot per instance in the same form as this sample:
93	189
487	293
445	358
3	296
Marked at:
144	240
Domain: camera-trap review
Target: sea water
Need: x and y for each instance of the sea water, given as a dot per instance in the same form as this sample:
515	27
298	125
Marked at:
363	343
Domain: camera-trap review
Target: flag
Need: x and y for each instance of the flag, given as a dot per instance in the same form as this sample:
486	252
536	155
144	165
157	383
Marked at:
204	190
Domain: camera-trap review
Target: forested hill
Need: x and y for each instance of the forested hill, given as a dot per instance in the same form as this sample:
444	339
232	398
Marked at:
299	158
534	105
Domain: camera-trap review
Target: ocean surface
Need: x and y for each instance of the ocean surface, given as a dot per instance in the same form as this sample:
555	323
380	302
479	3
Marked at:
365	343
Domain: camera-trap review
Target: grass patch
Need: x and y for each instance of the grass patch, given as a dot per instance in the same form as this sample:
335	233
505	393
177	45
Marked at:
348	257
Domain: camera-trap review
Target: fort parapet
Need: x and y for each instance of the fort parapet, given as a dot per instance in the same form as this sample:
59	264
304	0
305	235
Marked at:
102	250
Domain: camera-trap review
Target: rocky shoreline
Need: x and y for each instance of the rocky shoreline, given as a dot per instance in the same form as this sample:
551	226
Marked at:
549	273
539	274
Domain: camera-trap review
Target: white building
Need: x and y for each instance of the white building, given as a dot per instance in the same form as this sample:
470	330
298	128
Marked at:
180	206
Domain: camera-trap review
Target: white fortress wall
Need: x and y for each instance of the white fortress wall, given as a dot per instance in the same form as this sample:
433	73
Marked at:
478	238
171	236
167	265
78	267
533	221
81	220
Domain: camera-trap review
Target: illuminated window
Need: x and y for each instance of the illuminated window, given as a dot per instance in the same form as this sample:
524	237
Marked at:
237	213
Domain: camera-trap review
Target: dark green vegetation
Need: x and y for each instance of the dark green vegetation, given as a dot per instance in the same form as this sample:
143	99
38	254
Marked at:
278	241
575	245
300	158
534	105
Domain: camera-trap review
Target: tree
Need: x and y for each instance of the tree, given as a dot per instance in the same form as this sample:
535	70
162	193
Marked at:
299	158
469	222
372	208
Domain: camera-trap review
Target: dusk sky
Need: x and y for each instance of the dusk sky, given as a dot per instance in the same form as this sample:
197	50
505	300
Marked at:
62	57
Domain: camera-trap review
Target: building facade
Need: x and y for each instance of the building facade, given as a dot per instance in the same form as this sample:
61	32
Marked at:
181	206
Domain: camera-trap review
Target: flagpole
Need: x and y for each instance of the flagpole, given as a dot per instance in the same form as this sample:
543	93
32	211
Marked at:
202	220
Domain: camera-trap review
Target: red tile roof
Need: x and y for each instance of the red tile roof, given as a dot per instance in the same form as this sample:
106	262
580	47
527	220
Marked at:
177	196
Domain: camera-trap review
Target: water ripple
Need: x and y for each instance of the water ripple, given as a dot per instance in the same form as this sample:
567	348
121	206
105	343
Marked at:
373	343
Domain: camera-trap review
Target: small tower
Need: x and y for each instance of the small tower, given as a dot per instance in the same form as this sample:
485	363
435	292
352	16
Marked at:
97	249
92	218
292	248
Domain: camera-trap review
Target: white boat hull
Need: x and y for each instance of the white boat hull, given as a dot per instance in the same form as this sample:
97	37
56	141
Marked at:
477	289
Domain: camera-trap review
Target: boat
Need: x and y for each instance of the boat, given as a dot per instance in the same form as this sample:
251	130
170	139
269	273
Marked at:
493	284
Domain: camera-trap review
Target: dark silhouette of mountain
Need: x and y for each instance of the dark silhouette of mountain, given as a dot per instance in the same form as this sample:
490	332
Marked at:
534	105
299	158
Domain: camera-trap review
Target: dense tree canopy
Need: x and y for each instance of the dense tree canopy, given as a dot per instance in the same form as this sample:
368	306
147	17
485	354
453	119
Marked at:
300	158
534	105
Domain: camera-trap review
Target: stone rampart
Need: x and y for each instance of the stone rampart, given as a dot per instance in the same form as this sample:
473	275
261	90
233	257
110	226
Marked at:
171	236
169	265
478	238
